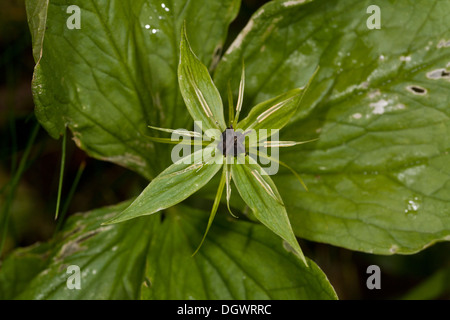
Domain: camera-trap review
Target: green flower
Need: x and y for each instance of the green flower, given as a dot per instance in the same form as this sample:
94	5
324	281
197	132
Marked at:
189	174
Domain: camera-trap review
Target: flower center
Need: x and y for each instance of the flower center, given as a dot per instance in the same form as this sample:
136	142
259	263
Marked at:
232	143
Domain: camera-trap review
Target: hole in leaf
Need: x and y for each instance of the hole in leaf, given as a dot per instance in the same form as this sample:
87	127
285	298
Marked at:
417	90
438	74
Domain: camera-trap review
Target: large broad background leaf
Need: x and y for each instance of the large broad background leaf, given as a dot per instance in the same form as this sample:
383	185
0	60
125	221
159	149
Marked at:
238	260
379	176
151	258
116	75
111	260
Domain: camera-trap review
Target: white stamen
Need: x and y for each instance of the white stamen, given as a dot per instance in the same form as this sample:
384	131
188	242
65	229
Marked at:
270	144
270	111
241	93
264	184
203	102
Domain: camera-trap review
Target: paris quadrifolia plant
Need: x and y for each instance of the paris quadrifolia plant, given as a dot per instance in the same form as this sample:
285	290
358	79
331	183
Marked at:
240	150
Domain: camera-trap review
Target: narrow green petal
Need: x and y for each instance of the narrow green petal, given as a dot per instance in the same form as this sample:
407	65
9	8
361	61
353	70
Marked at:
240	96
170	141
228	183
181	132
275	113
214	208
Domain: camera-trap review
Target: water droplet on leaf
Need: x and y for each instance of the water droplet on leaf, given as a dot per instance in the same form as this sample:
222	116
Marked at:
412	207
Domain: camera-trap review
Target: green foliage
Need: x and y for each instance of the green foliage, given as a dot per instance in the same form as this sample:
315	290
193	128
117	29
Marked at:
199	92
151	259
378	176
172	186
112	78
111	259
192	172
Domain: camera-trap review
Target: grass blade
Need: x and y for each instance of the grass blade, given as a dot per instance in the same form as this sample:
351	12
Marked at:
70	196
13	186
61	174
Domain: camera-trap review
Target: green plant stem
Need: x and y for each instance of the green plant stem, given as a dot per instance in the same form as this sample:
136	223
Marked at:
13	186
70	196
61	174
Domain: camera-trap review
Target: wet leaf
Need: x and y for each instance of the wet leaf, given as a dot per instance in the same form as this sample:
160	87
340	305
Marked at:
151	258
379	175
239	260
116	75
101	253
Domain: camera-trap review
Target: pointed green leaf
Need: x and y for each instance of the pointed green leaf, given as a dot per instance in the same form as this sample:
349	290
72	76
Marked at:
37	20
172	186
228	187
199	92
261	195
